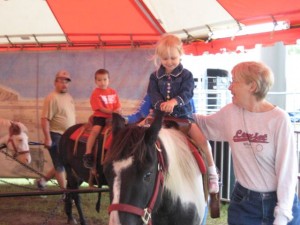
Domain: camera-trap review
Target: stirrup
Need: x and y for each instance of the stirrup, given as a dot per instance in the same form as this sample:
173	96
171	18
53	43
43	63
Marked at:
88	161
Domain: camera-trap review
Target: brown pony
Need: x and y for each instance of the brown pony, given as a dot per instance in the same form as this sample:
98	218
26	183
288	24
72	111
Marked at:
76	172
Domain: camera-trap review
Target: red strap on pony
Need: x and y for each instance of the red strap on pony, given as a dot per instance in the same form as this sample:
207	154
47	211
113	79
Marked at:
126	208
15	148
108	142
198	157
13	144
159	181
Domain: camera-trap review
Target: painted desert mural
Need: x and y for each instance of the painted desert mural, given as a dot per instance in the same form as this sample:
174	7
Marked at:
26	78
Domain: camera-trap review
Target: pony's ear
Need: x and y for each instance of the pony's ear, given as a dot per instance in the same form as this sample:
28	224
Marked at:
14	129
118	122
152	133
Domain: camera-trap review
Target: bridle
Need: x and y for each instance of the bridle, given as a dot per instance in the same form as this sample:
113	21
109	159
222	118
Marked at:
16	152
159	182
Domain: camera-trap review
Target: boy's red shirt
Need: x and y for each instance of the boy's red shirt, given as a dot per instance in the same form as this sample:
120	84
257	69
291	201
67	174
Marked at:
104	98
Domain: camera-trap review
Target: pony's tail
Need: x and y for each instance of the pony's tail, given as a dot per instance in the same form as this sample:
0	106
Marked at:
98	204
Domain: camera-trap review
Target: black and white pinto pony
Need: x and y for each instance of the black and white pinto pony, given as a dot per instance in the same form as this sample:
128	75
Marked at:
14	138
153	176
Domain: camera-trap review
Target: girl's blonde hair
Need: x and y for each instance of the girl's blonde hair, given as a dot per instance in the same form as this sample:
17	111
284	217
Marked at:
255	72
163	46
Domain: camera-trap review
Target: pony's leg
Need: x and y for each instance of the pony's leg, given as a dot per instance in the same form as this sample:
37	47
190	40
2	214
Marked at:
77	200
71	184
68	209
74	183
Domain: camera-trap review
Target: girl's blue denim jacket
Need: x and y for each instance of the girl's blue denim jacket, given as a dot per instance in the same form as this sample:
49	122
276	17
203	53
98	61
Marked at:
179	85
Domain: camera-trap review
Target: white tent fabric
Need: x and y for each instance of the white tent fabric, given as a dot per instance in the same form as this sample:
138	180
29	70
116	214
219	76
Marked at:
193	16
28	21
22	20
44	24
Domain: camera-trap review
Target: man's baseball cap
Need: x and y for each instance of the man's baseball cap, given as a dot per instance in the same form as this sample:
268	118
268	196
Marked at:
63	75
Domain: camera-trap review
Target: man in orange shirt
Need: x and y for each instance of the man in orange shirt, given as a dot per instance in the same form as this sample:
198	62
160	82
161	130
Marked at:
104	101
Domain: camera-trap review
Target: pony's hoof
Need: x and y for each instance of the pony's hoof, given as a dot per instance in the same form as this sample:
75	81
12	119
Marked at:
72	221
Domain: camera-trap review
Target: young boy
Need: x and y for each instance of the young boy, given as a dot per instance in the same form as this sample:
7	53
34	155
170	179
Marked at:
104	101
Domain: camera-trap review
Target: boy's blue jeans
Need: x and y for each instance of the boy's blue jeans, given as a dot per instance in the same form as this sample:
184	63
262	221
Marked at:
253	208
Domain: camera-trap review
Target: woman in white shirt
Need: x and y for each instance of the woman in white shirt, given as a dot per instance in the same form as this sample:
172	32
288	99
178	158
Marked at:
264	154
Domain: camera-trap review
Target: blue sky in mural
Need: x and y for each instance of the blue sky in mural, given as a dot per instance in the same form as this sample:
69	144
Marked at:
31	74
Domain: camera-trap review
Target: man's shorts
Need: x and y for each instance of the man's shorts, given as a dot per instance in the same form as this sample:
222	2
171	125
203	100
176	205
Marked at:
54	152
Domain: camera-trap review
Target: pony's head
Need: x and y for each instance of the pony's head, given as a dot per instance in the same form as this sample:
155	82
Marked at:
130	168
16	141
151	172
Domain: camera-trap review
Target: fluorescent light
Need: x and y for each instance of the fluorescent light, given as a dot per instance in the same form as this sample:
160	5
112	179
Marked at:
253	29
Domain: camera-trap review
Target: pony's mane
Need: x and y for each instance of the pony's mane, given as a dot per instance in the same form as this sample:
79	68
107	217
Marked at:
5	124
22	126
130	141
183	179
183	176
5	129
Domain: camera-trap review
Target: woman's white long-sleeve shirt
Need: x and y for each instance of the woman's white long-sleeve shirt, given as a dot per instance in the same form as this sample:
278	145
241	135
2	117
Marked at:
263	150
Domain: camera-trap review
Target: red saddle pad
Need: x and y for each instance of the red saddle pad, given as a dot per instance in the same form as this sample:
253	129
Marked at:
198	157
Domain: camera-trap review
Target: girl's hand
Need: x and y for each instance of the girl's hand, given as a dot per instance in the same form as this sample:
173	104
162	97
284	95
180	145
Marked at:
168	106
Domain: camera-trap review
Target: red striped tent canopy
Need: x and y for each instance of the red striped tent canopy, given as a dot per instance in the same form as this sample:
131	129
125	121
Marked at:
78	24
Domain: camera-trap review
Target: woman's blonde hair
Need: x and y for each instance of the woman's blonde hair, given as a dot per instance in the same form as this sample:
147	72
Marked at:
165	44
255	72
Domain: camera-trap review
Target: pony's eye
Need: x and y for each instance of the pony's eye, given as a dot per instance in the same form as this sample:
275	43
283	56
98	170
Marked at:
147	176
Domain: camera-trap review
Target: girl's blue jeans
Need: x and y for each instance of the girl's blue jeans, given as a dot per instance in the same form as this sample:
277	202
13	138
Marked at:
254	208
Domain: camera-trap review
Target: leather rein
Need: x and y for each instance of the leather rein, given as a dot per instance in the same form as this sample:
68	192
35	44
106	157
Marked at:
159	182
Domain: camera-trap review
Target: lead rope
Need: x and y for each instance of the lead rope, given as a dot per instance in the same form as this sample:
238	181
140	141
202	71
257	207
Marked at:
25	165
17	185
53	211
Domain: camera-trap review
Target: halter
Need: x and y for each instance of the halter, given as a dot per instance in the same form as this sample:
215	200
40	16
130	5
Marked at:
159	182
17	153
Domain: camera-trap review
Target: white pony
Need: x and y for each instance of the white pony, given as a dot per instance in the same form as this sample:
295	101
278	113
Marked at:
13	137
